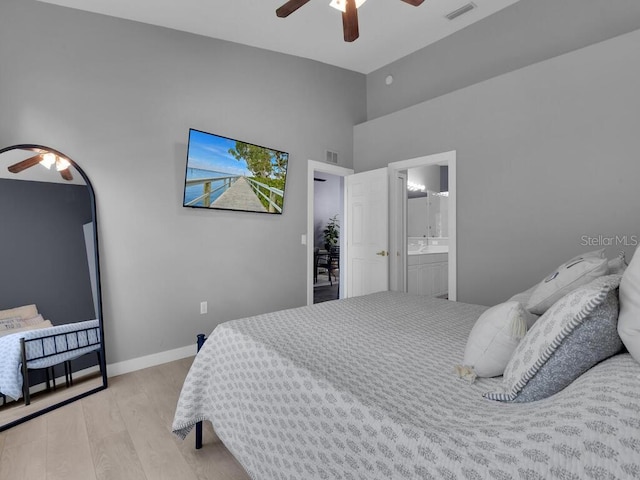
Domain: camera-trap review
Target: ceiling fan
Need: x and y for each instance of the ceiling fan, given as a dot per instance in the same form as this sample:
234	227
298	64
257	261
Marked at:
46	159
349	10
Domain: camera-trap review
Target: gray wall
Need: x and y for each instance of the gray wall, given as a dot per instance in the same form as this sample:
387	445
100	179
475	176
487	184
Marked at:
524	33
43	258
545	155
118	97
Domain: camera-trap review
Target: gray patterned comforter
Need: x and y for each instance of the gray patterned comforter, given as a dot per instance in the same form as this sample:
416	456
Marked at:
364	388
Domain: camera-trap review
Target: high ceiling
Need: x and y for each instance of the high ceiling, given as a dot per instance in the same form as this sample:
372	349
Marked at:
389	29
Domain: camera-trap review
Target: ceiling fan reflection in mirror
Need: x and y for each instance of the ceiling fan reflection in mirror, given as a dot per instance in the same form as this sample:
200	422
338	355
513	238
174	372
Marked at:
349	9
47	160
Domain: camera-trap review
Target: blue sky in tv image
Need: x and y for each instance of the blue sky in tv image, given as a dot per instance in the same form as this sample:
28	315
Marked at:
211	152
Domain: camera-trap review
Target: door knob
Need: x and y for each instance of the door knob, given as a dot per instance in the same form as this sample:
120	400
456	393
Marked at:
382	253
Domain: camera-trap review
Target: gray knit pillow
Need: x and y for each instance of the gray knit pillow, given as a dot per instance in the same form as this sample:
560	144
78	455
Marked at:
577	332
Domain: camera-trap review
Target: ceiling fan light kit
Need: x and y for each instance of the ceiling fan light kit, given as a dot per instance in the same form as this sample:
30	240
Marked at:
47	160
62	164
342	4
349	9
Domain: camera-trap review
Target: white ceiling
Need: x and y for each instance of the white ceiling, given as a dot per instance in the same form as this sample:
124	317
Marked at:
389	29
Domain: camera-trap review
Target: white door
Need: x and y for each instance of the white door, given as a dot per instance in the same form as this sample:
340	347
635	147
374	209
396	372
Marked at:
367	202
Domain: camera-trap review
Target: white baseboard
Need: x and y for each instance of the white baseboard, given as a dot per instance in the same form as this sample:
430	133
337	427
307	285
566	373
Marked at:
152	360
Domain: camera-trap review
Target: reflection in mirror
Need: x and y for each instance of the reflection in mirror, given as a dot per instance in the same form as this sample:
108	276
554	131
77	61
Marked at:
428	206
51	349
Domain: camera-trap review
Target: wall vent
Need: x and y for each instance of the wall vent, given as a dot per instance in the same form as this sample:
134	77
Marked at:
332	157
461	11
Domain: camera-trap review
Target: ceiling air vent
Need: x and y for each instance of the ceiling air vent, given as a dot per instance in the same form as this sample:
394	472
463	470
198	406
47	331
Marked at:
461	11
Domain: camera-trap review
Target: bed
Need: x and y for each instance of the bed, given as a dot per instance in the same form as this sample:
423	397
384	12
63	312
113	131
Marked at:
363	388
44	348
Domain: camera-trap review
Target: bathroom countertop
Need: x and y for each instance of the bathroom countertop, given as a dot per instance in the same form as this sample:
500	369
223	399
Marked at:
427	250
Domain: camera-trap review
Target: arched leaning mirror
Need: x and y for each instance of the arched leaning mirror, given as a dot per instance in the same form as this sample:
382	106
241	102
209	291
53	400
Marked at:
51	348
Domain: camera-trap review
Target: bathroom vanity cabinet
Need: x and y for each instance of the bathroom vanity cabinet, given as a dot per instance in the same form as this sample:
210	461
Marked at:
428	274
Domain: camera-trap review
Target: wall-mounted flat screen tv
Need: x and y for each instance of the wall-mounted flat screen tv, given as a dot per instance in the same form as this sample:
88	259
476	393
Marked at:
224	173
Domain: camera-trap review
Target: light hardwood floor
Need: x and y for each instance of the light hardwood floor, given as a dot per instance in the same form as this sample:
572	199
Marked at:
121	433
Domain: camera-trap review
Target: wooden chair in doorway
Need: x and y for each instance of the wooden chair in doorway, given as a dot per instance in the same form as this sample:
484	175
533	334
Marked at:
330	262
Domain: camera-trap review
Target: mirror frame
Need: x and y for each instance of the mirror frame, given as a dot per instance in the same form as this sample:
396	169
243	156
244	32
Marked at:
98	307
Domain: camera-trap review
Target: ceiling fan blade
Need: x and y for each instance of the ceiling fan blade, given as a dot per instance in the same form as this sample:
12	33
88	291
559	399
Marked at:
66	174
24	164
415	3
290	7
350	22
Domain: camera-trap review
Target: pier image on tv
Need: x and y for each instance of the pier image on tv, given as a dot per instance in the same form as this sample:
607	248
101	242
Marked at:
224	173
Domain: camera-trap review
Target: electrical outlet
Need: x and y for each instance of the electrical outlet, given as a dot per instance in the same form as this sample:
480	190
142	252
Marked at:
203	308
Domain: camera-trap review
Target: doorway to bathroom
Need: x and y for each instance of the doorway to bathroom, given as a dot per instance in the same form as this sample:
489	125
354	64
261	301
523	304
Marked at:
423	225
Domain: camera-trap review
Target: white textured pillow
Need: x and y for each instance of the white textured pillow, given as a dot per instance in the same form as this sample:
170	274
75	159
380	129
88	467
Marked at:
494	337
629	318
523	297
595	254
576	272
618	265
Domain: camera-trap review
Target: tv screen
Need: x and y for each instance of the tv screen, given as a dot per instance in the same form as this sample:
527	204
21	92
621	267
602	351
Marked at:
229	174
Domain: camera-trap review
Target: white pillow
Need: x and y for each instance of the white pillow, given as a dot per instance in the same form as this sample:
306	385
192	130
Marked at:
576	272
617	265
494	337
595	254
523	297
629	318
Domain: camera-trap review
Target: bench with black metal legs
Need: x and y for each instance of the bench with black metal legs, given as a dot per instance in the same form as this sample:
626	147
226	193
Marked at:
200	339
